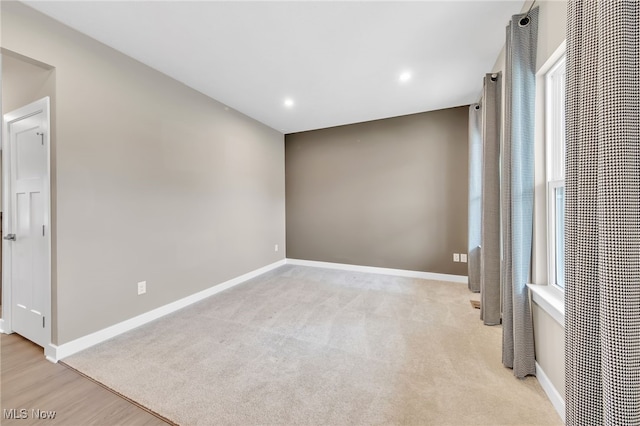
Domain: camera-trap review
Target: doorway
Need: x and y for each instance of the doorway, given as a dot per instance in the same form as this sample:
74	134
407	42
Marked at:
26	205
24	80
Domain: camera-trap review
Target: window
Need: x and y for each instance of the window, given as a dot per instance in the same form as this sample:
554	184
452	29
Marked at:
555	80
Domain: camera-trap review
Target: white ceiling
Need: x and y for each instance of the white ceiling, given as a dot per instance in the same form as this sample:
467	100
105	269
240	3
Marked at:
339	62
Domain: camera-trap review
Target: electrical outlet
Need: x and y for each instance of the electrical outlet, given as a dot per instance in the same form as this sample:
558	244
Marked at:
276	247
456	257
463	257
142	287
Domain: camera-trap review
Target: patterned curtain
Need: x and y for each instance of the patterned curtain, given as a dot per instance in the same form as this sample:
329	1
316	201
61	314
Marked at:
475	196
602	226
490	228
518	158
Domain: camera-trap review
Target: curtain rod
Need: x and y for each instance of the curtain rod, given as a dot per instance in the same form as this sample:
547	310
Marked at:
525	21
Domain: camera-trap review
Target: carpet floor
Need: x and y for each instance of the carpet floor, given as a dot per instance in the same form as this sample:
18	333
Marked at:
302	345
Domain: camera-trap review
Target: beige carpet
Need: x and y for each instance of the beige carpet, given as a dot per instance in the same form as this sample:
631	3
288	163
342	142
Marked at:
315	346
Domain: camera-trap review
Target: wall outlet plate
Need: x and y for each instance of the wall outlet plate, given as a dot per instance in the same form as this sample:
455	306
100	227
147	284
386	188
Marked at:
142	287
463	257
276	247
456	257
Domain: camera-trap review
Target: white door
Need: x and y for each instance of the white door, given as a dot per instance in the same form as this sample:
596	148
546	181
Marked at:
26	236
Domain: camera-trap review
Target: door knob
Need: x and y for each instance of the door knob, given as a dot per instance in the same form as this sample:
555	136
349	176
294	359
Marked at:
10	237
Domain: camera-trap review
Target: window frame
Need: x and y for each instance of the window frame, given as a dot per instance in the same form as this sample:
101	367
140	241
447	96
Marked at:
552	242
555	152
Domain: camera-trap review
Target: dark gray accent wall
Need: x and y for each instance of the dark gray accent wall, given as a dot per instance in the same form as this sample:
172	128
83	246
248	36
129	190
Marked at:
389	193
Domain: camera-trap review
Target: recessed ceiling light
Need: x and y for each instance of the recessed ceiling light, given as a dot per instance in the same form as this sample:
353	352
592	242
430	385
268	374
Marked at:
405	76
288	102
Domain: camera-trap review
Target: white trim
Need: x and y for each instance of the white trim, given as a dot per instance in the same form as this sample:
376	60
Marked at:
553	58
56	353
552	235
554	86
50	353
550	299
554	74
552	393
384	271
540	273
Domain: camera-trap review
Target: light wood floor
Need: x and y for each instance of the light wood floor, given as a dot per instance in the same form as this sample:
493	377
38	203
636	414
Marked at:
28	381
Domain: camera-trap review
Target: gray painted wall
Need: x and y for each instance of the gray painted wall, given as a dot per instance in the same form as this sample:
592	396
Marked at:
389	193
549	341
154	181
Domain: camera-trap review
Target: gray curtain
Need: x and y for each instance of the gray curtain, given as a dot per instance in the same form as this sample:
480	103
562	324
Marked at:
602	223
475	196
518	158
490	229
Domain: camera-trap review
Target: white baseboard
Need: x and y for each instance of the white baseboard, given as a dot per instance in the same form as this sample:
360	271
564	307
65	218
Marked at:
50	353
384	271
552	393
55	353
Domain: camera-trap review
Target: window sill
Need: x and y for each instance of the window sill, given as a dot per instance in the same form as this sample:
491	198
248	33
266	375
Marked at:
550	299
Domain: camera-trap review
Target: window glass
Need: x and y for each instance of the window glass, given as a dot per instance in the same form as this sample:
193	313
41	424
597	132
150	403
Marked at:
559	236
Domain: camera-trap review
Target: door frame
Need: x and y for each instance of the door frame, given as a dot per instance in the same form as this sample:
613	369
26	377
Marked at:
42	105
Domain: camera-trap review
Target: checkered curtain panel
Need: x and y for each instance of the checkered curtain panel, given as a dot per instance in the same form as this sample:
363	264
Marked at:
602	226
475	196
490	227
517	187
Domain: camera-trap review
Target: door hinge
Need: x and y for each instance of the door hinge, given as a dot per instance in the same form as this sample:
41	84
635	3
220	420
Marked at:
43	230
41	137
42	322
